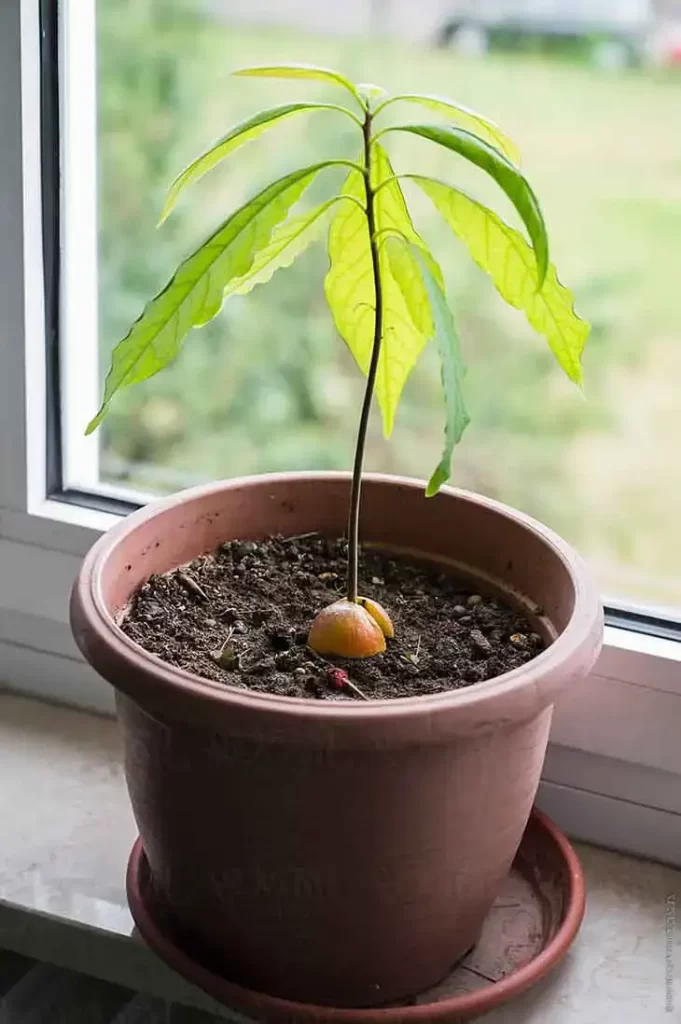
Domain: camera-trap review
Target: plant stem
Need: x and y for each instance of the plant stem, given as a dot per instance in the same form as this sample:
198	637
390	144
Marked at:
355	491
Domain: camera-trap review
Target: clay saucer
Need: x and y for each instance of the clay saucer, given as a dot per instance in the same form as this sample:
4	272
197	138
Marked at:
527	932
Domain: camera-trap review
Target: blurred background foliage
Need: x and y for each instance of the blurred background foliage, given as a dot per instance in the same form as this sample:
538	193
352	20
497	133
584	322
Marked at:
270	386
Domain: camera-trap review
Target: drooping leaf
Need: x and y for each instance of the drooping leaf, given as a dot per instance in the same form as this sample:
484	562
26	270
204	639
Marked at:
242	133
504	254
308	71
452	372
397	258
288	241
195	293
508	177
350	291
468	119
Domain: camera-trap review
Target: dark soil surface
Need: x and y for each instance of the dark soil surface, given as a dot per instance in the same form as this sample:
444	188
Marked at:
241	616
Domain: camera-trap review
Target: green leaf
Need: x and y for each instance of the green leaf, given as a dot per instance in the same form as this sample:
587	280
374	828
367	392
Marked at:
244	132
308	71
350	291
452	373
508	177
195	293
288	241
487	130
368	92
504	254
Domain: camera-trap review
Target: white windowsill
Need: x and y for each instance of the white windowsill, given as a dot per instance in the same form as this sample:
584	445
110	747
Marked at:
62	897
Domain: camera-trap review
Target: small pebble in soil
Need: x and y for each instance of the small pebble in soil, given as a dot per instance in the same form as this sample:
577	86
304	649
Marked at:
337	678
480	643
263	595
227	658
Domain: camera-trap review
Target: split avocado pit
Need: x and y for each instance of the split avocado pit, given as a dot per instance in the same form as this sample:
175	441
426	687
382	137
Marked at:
242	616
351	629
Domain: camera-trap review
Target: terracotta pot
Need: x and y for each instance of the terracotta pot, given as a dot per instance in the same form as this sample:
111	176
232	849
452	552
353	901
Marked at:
337	854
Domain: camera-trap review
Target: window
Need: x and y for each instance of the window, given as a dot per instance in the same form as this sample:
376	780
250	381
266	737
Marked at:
268	386
100	104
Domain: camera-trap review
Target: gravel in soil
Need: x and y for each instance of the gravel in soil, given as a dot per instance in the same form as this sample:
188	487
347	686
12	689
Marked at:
241	615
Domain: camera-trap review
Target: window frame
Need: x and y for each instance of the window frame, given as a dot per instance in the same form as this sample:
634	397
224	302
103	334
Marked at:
614	737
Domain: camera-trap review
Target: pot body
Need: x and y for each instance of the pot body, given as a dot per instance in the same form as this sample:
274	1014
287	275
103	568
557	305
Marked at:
333	853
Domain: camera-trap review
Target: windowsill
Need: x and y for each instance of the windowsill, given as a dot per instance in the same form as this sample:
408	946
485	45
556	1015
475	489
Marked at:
62	894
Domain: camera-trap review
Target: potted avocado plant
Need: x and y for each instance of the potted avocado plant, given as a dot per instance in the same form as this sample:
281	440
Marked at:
332	753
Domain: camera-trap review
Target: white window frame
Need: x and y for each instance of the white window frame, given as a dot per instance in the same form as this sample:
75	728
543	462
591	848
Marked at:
613	773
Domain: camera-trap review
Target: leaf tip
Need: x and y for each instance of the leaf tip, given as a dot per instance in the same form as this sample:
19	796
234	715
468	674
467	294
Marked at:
95	421
388	417
542	260
439	477
168	205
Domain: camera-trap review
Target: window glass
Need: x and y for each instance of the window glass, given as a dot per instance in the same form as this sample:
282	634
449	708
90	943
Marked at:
592	96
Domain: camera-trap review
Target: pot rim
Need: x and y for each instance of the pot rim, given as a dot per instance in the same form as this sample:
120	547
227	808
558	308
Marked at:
88	606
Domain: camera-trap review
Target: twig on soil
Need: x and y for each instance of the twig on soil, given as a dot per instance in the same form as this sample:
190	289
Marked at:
123	615
414	658
225	655
300	536
355	689
192	585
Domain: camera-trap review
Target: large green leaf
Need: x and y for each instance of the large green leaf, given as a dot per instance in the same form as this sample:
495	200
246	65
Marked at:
504	254
452	372
350	292
195	293
244	132
469	119
508	177
308	71
288	241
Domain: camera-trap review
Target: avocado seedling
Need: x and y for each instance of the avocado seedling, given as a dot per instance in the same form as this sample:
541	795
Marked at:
384	287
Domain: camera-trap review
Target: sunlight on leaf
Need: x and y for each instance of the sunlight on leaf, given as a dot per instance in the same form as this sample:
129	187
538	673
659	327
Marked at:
503	253
507	177
195	293
308	71
288	241
242	133
349	286
452	372
481	126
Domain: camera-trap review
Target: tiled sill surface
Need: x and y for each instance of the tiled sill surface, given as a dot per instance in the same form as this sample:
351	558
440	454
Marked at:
67	829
